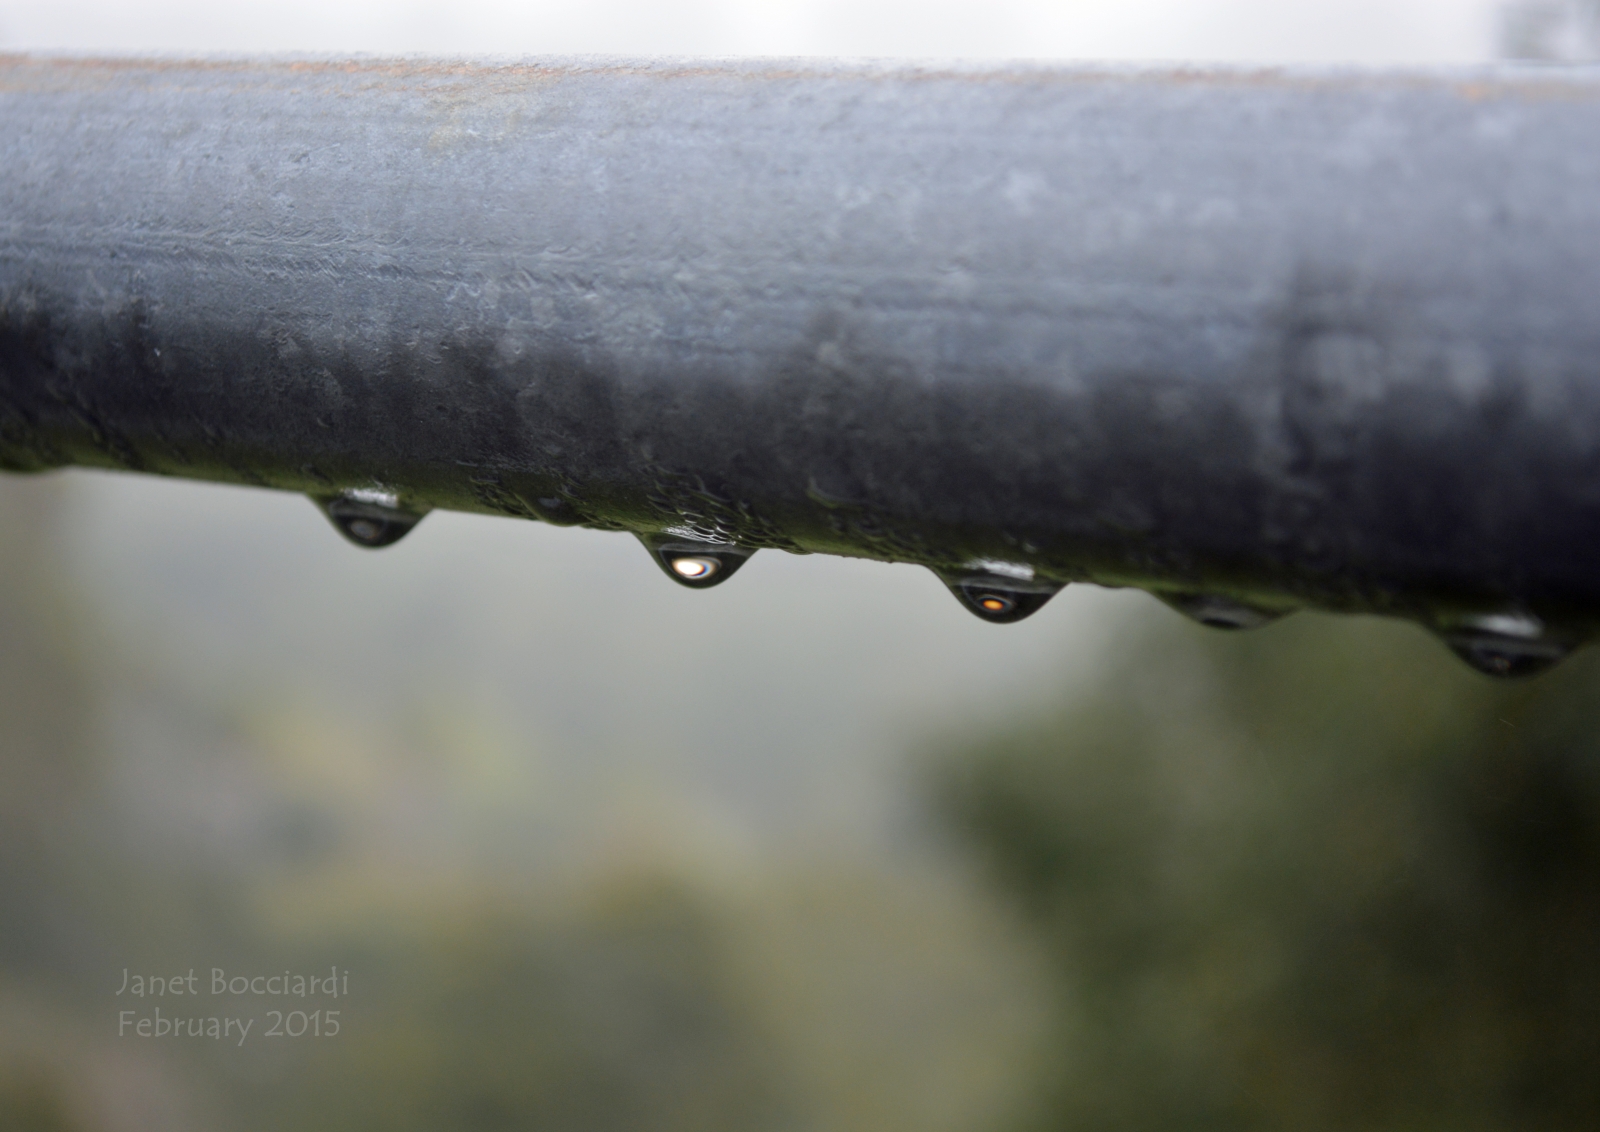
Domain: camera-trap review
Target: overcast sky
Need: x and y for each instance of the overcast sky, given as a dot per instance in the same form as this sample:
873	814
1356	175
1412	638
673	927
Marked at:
1374	31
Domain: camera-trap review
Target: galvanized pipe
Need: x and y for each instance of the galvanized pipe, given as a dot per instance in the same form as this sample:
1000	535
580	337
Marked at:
1250	339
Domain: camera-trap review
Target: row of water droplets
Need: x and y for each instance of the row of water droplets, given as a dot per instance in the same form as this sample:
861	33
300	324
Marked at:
1506	644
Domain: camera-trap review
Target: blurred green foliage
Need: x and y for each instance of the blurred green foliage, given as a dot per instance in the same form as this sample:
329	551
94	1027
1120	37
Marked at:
653	978
31	1102
622	1017
1318	876
644	1000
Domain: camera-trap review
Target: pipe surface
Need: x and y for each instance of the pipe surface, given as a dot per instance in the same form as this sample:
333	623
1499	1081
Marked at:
1253	340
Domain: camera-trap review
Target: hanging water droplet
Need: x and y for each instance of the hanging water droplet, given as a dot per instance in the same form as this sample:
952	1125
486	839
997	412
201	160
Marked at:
1220	612
1497	659
1508	644
999	598
698	565
369	517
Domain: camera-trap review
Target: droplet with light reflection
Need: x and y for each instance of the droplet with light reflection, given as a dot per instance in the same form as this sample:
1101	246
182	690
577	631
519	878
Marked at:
694	564
1507	644
999	599
370	517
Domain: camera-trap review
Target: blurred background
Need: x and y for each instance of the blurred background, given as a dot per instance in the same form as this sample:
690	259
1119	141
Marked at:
814	851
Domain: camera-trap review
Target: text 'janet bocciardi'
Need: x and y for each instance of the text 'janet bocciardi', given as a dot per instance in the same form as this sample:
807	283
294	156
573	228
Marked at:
317	1015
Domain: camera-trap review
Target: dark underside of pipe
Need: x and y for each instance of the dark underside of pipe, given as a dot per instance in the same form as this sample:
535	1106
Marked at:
1250	340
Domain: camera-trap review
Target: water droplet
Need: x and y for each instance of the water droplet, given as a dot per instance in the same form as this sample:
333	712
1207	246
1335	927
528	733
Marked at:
1499	659
1507	644
369	517
998	598
1220	612
698	565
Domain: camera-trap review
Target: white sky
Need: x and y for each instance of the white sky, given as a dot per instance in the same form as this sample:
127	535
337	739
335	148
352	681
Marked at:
1369	31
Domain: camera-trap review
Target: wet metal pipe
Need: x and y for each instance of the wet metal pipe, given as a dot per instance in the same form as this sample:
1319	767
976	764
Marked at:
1252	340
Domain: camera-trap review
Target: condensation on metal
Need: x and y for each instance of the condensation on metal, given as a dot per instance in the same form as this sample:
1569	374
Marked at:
1251	339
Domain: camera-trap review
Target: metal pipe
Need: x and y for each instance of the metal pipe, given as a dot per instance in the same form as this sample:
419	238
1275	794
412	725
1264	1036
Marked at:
1253	340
